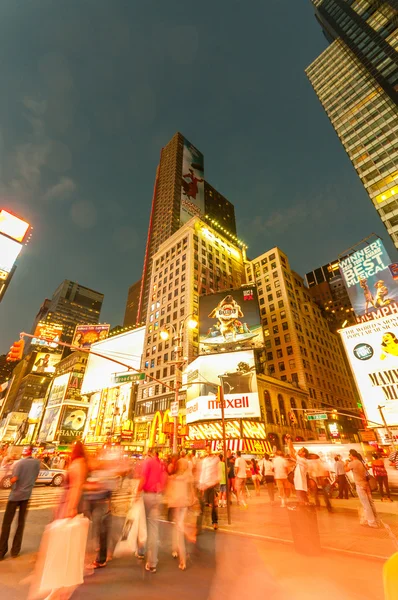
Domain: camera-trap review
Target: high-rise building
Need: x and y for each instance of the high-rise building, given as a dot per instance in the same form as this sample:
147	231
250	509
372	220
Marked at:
356	80
326	286
300	348
133	297
71	304
196	260
180	192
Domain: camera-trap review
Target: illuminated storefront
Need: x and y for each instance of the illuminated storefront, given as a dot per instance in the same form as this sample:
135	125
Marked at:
247	436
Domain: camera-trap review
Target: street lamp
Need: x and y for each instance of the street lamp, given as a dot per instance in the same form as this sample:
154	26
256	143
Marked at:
191	322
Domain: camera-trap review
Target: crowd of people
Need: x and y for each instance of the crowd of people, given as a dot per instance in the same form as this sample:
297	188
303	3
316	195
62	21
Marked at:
188	487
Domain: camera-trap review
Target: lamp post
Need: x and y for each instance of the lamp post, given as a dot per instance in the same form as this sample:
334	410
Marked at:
192	322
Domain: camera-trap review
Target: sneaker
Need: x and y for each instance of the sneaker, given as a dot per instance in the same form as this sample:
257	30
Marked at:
98	565
149	568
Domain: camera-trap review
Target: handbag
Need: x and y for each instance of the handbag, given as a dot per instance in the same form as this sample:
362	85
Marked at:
372	483
134	531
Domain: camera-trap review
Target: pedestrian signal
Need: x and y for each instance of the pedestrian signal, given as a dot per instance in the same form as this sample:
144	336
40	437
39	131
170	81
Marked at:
16	351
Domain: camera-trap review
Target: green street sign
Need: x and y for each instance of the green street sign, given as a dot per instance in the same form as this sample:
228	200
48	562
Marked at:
320	417
127	377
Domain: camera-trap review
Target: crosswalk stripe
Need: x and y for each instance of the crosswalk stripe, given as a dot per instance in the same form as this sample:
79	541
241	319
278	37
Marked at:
48	498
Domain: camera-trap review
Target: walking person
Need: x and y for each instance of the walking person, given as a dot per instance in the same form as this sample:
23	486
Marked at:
231	473
255	473
23	478
361	476
267	471
341	478
300	471
209	482
152	483
179	495
240	478
281	468
223	482
380	473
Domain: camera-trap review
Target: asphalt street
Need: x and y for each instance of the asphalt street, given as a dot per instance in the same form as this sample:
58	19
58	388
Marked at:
223	564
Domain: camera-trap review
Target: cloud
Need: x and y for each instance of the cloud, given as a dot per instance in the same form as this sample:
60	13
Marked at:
84	214
64	188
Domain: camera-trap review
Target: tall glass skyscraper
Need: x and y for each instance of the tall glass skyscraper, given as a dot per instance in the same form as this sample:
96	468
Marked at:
356	80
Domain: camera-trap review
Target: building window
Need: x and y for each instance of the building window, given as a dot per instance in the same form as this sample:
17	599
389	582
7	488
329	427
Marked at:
281	366
282	411
279	353
268	407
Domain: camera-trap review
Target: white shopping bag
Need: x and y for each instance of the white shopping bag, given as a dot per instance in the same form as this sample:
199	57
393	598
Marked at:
61	558
134	531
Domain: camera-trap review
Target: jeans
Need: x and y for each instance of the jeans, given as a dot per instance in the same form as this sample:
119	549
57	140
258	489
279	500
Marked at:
343	486
178	542
382	480
210	497
151	502
365	496
99	510
270	481
9	515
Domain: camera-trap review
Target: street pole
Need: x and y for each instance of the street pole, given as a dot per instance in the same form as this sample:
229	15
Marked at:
224	440
177	389
175	426
380	409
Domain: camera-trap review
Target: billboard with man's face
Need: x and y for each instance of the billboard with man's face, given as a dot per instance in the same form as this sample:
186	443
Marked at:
45	362
236	372
192	183
372	349
370	282
230	321
85	335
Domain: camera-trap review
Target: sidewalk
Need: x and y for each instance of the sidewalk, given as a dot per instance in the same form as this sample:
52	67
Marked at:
339	530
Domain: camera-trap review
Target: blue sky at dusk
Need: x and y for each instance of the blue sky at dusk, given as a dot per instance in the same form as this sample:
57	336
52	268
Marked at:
91	91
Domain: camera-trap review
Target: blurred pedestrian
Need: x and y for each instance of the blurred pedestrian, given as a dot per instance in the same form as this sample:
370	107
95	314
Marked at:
223	482
361	477
341	477
256	477
179	495
231	472
152	483
380	473
23	478
281	467
319	480
300	471
267	472
75	479
209	482
240	478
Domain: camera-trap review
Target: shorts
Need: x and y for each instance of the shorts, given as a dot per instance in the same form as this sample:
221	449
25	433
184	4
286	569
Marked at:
223	488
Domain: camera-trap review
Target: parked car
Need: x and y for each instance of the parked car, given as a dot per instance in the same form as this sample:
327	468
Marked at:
48	476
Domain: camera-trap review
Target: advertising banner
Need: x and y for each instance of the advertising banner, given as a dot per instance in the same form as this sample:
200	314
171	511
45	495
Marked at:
370	282
12	226
74	386
85	335
9	251
36	410
372	349
49	334
72	423
236	371
58	390
230	321
49	425
192	183
45	362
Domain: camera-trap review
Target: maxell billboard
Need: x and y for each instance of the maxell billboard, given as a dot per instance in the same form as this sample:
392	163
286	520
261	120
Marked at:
372	349
230	321
236	372
370	282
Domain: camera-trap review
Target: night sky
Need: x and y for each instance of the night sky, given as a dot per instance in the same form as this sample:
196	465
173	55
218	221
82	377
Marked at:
92	89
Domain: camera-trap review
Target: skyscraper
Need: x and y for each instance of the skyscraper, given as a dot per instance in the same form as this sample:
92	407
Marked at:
180	192
133	297
71	304
356	80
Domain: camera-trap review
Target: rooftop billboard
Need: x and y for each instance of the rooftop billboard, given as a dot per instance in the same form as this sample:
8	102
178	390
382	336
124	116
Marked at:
13	226
370	282
9	251
47	334
192	183
230	321
85	335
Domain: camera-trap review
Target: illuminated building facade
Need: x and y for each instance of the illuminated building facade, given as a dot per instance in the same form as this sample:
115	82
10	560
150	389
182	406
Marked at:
195	261
327	288
166	212
300	348
71	304
356	80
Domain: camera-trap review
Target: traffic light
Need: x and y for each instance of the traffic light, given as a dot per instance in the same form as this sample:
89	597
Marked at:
16	351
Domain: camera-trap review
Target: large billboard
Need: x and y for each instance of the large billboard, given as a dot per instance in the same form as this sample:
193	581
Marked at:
236	371
372	349
12	226
9	251
72	422
192	183
230	321
85	335
49	424
45	362
370	283
58	389
47	334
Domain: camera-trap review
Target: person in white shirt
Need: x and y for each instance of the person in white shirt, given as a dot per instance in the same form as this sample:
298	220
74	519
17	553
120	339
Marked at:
281	468
300	471
267	471
240	478
208	484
